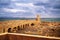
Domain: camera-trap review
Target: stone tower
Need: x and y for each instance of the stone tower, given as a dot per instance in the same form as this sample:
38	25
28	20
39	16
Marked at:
38	18
38	21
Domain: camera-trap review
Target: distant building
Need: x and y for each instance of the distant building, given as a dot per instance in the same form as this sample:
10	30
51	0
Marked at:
24	23
15	25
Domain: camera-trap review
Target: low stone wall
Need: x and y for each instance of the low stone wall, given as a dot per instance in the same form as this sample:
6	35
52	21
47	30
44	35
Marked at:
17	37
23	37
4	37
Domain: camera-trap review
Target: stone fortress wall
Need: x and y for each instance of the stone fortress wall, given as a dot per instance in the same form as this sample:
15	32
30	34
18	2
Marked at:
23	24
12	24
30	26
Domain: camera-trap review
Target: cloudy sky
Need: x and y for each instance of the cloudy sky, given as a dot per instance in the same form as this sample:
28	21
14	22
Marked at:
29	8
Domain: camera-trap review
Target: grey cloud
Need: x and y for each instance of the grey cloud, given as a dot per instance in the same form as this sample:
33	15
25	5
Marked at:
4	3
50	8
50	3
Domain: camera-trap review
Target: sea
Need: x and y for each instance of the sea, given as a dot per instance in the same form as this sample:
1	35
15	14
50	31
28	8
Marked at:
42	19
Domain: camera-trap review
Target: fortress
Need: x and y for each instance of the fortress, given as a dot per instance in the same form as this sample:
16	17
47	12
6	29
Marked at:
12	24
36	26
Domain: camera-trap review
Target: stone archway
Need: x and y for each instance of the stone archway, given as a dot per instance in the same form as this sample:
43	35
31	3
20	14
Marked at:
9	29
14	29
32	24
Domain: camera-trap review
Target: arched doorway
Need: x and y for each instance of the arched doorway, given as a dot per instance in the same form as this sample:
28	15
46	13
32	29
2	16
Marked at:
9	29
32	24
18	28
14	29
